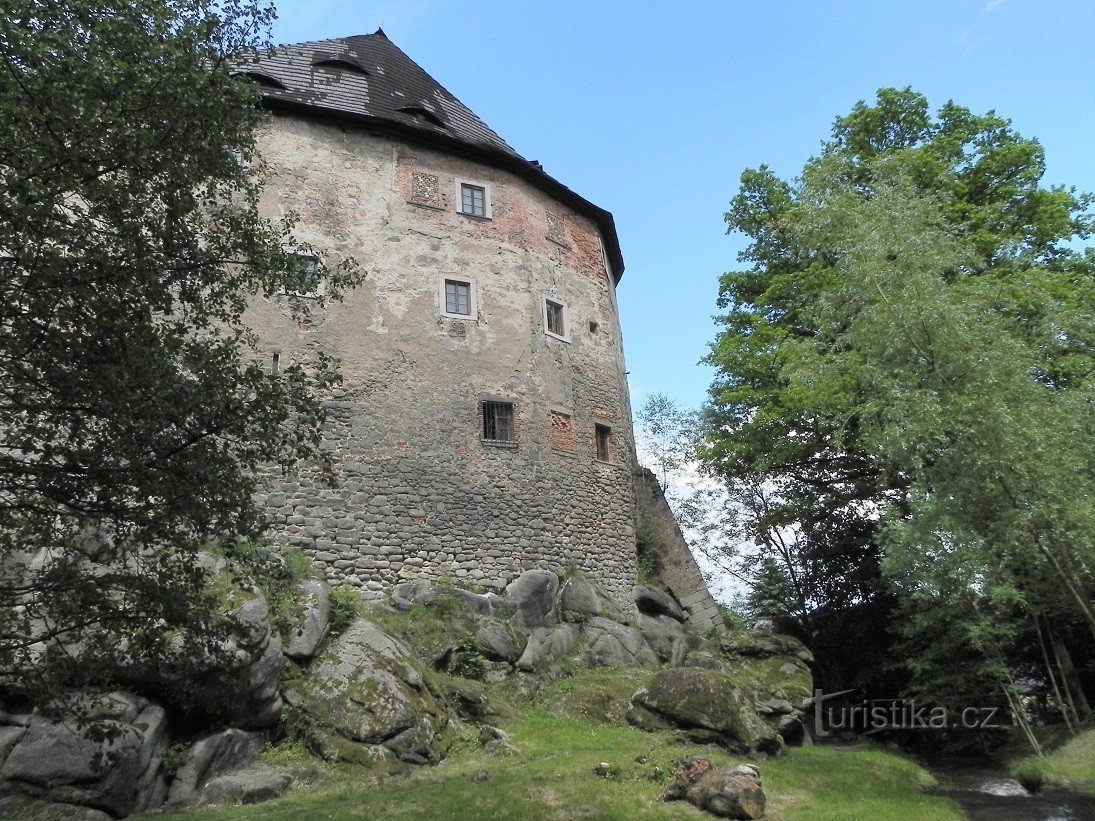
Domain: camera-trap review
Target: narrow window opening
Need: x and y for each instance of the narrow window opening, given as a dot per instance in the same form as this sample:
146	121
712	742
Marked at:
604	443
593	326
498	421
275	364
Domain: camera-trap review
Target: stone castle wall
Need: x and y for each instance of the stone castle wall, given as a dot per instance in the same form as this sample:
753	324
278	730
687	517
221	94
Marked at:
419	492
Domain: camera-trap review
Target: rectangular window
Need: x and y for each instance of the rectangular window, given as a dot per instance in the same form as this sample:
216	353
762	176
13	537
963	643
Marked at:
473	200
498	421
303	277
457	297
555	318
604	442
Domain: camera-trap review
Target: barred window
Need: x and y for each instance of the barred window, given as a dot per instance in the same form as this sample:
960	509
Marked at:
604	443
457	297
498	421
473	200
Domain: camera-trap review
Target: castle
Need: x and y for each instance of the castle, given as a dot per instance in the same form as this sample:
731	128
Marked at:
483	426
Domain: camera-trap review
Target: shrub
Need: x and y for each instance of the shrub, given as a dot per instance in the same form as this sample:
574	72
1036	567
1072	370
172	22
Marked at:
346	605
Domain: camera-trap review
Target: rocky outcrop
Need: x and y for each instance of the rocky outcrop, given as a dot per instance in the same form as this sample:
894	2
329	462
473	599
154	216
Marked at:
366	701
705	706
747	691
531	599
305	637
112	766
727	792
211	756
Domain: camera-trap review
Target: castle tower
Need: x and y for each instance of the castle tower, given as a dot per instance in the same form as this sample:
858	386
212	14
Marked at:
483	426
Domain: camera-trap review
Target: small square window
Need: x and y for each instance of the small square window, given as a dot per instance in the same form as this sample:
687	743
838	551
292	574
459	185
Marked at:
498	421
302	279
555	318
473	200
457	298
604	442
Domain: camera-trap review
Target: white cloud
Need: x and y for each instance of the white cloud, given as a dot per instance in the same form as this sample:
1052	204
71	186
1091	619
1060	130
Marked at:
992	5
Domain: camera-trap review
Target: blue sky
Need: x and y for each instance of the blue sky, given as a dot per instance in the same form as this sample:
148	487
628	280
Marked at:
653	110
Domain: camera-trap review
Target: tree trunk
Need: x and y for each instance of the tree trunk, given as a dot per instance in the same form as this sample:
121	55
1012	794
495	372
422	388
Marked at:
1062	705
1069	677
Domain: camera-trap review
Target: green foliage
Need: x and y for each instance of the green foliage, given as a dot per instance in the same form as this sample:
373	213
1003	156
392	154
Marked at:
1070	767
174	757
346	605
466	661
733	616
651	544
913	339
136	409
569	570
667	435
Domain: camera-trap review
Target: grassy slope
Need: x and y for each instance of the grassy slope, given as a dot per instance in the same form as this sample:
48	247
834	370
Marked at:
1071	766
571	728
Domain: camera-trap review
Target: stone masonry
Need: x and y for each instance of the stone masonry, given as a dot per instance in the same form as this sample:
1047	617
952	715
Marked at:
420	492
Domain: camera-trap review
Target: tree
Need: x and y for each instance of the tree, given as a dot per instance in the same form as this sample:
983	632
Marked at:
134	412
914	343
667	435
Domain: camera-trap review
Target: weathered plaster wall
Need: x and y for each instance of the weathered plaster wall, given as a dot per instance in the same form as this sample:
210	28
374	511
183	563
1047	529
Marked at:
419	492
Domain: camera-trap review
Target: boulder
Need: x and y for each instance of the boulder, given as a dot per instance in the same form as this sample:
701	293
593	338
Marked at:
248	787
654	601
580	600
530	599
21	806
407	594
546	644
484	604
500	641
304	639
666	637
728	792
704	706
114	766
611	644
248	694
210	756
366	701
759	644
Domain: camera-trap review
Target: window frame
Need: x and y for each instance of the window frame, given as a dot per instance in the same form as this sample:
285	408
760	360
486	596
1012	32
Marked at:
565	313
488	212
486	402
320	285
473	297
598	428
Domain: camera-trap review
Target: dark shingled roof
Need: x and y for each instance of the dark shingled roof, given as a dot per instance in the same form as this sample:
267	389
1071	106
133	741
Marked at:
367	80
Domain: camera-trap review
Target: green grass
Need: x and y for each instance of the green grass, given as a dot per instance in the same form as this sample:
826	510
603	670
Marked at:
573	727
1070	767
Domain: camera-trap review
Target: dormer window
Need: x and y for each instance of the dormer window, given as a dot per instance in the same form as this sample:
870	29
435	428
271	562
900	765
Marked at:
474	199
339	64
423	115
264	80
